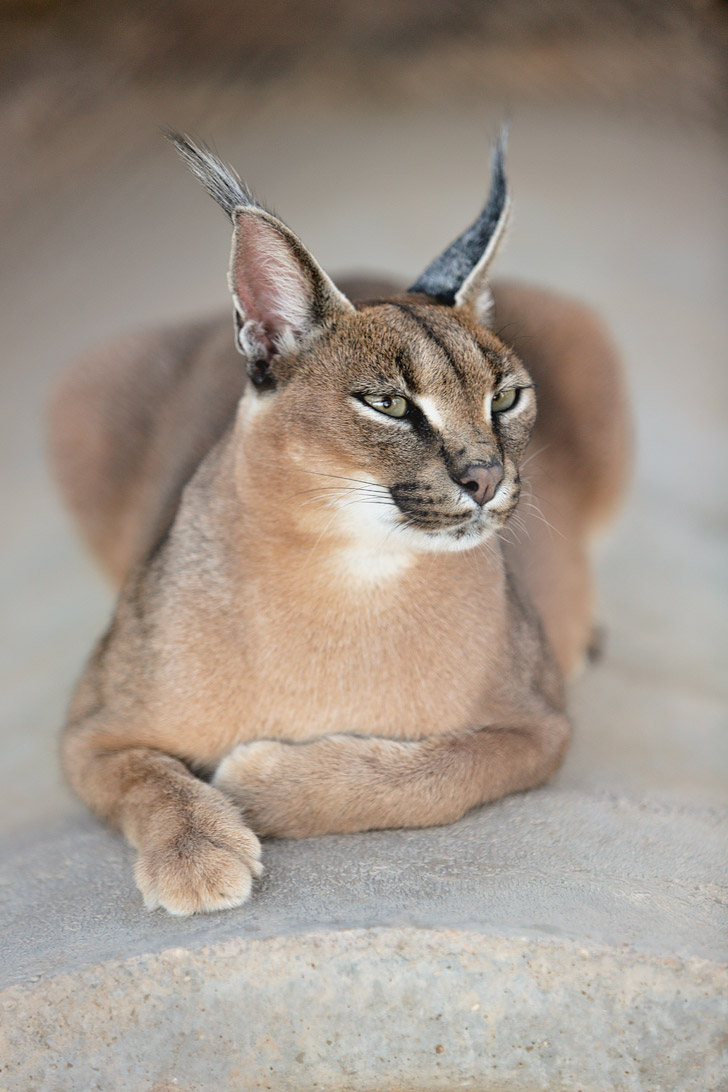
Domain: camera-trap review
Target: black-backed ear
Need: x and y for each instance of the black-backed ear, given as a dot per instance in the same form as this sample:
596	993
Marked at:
459	276
282	296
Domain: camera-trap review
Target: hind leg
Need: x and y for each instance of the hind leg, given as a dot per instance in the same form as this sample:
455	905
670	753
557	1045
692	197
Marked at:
578	461
99	435
129	423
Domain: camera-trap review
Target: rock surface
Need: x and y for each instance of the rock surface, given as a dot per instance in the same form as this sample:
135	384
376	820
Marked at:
571	940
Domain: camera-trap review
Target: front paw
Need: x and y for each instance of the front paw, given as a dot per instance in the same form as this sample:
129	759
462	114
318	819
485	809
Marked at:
201	868
255	776
249	763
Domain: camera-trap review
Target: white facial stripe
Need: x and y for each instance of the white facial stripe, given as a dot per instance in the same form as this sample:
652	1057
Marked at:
425	404
431	412
524	398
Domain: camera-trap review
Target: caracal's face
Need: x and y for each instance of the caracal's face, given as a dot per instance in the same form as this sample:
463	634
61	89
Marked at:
402	426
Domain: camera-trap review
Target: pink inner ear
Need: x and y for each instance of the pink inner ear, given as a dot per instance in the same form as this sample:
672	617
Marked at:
268	280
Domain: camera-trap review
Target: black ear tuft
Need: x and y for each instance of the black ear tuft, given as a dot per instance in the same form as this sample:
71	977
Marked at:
282	296
221	182
445	276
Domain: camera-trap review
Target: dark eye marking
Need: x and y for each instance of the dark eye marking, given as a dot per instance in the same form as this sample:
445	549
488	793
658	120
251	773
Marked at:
400	408
427	329
422	425
494	363
404	367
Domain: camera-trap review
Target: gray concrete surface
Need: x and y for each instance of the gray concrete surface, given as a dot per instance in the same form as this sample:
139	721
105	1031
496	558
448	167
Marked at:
357	1009
586	921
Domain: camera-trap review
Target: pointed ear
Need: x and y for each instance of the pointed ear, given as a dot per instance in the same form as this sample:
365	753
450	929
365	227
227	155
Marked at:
458	276
474	294
282	296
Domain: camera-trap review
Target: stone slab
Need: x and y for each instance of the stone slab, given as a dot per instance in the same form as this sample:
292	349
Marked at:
360	1010
553	940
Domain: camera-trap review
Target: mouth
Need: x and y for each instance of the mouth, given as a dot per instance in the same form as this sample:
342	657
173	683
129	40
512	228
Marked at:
436	522
449	531
420	520
458	529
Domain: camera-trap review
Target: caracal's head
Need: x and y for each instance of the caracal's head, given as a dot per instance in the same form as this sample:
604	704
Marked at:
396	424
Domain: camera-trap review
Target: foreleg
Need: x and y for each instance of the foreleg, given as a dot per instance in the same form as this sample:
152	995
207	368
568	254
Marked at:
195	851
351	783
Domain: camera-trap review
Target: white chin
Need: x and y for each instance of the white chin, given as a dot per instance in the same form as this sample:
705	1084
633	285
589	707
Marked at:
380	526
447	541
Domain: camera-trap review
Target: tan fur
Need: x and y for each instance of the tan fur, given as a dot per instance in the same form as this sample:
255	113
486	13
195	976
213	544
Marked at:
327	684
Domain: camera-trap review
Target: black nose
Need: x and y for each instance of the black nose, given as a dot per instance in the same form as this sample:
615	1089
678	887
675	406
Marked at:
480	481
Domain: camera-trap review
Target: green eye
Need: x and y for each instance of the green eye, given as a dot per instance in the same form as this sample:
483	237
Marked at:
392	405
504	400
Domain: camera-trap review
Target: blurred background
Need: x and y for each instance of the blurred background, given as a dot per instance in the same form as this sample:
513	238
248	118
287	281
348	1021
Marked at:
366	124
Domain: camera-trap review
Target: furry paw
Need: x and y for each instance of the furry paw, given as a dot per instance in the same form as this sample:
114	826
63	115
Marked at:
255	776
204	867
257	761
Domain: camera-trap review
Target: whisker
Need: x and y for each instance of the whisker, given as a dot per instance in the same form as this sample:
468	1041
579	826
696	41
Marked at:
334	489
323	532
343	478
488	547
502	533
533	455
539	515
518	524
330	493
315	545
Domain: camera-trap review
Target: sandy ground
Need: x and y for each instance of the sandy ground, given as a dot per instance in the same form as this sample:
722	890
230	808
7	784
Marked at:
624	211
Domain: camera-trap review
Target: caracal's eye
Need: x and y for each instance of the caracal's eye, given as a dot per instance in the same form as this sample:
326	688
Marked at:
504	400
393	405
